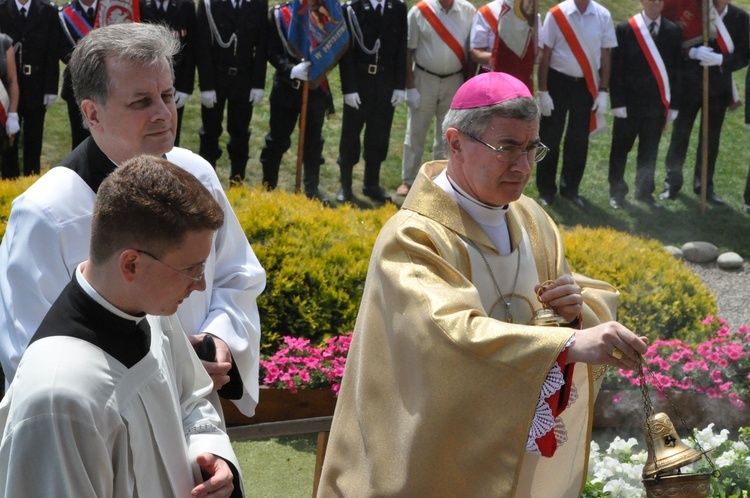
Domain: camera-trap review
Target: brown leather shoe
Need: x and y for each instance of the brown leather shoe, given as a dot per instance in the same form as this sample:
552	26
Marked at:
403	189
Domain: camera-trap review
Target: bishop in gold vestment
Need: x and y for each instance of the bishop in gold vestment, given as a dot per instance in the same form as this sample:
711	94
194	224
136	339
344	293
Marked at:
441	390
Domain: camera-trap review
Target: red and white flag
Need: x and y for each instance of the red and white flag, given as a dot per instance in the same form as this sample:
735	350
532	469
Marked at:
117	12
4	104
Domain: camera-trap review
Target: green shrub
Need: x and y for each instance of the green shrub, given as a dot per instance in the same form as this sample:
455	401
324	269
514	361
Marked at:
660	296
316	260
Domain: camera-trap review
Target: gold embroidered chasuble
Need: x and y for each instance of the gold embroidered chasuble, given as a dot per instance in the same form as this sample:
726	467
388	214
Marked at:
438	397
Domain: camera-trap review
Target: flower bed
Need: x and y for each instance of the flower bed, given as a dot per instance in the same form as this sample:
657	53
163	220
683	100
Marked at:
616	472
718	368
300	365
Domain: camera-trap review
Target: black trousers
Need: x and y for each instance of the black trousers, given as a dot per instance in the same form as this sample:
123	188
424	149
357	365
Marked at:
375	115
572	101
624	132
286	104
32	131
681	129
180	112
239	114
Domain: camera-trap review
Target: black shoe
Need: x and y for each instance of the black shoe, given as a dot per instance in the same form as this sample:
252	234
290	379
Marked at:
713	198
575	199
546	200
649	200
318	195
618	203
746	208
668	195
344	194
376	194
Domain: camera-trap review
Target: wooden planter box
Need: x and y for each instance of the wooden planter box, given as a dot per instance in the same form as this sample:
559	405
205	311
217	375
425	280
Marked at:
275	405
696	409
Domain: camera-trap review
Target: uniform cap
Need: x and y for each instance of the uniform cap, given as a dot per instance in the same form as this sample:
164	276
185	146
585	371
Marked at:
488	89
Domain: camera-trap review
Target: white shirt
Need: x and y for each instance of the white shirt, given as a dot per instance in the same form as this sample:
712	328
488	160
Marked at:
597	28
482	35
48	234
431	52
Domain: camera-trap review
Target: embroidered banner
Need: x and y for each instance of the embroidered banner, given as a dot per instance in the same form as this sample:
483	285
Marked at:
317	33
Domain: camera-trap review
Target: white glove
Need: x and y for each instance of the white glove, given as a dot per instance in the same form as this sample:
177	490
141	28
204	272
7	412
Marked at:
180	99
672	115
11	125
208	99
352	100
600	104
412	98
546	106
301	71
398	97
49	99
706	56
620	112
256	96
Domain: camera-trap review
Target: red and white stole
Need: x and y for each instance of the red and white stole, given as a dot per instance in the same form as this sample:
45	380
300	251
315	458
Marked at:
445	28
653	57
571	31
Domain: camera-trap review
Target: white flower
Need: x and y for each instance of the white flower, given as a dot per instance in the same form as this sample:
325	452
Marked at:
739	446
618	488
707	439
619	446
726	459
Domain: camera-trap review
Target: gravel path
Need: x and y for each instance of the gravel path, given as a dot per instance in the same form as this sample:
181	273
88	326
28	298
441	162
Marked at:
731	288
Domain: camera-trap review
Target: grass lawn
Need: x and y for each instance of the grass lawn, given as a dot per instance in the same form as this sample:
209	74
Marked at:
283	467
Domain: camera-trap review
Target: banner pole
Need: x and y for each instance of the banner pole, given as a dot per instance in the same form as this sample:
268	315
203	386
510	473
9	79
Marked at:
301	140
704	112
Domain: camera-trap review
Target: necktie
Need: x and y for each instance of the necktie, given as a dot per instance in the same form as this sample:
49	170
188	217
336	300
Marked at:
23	12
379	9
652	29
90	15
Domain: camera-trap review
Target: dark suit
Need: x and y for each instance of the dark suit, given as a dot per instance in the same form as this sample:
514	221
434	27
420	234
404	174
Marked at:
286	100
737	23
180	18
68	40
231	71
374	77
634	86
35	39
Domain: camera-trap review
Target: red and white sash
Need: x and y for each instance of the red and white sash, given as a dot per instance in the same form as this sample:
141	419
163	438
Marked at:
653	57
445	28
490	16
726	45
573	36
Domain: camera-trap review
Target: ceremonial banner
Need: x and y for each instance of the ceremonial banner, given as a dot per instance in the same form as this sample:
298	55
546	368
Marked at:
117	12
317	33
514	49
687	15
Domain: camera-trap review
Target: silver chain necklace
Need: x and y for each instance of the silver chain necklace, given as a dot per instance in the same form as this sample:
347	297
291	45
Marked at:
508	314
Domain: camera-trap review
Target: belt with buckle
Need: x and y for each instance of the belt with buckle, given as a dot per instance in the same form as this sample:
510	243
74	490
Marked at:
372	68
574	79
27	69
441	76
232	71
295	84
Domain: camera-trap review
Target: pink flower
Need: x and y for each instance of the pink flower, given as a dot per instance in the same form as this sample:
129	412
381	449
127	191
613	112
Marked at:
708	320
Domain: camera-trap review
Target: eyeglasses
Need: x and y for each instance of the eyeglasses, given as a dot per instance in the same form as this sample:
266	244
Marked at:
198	270
511	153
